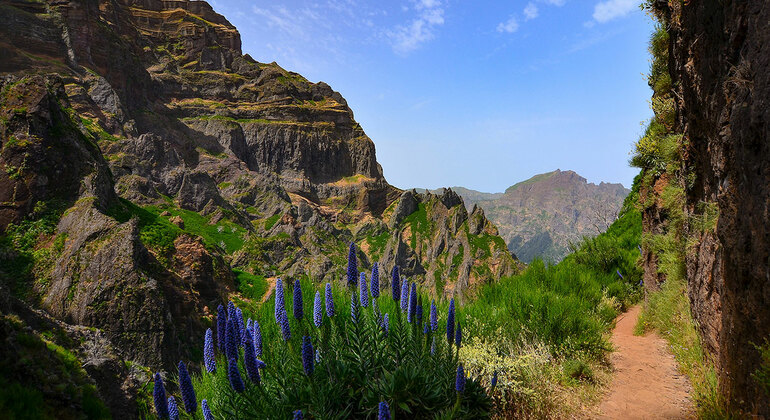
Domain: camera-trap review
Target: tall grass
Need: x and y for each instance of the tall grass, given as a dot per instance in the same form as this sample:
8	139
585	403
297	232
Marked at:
570	305
545	331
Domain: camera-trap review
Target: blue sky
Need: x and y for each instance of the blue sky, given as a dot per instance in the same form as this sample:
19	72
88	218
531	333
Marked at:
478	94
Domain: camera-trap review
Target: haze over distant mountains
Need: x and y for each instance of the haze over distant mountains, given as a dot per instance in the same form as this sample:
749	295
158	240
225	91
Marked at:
541	216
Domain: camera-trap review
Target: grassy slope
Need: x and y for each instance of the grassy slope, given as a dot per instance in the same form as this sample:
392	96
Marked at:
545	331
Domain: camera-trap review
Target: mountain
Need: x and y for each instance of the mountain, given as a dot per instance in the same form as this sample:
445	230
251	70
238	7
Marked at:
542	216
151	171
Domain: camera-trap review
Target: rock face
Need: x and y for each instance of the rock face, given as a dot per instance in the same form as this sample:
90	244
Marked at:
434	235
151	170
540	217
719	56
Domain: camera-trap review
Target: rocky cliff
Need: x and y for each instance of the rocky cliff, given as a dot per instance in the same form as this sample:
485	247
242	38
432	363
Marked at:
151	170
542	216
717	59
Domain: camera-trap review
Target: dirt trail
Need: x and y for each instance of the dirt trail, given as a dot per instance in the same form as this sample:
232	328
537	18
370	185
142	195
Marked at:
646	383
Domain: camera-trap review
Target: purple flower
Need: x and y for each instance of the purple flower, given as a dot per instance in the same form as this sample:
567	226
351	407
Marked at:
404	295
206	412
280	302
458	336
376	312
354	308
352	266
231	345
250	360
307	355
298	415
386	324
173	411
159	397
619	275
384	411
186	387
433	316
257	335
494	379
298	312
241	326
410	315
450	322
375	281
230	309
425	330
329	301
285	329
433	346
208	352
234	375
394	284
460	380
418	312
221	327
317	314
363	291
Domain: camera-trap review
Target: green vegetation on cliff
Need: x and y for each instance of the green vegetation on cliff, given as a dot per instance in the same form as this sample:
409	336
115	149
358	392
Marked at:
665	178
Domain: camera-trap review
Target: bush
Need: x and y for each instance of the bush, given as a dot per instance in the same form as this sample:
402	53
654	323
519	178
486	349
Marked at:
354	366
578	370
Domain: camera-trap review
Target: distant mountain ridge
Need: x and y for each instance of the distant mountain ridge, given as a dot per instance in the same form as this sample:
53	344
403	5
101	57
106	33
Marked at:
541	216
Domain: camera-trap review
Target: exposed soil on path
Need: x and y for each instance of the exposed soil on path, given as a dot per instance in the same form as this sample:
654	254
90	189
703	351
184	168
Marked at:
646	382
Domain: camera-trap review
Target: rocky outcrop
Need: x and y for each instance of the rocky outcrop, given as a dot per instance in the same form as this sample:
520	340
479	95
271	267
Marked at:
151	158
74	371
433	235
718	61
44	155
542	216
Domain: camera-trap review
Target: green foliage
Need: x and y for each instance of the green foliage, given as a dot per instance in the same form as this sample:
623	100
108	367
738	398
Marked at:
271	221
570	305
155	232
159	234
30	362
418	223
762	374
377	244
659	78
485	243
578	370
249	285
96	131
27	249
359	367
21	402
526	373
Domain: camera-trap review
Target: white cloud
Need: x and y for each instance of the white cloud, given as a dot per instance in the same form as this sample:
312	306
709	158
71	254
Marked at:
509	26
408	37
558	3
608	10
530	12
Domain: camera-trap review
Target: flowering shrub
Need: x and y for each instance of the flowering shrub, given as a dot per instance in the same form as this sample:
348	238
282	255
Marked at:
363	363
521	377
